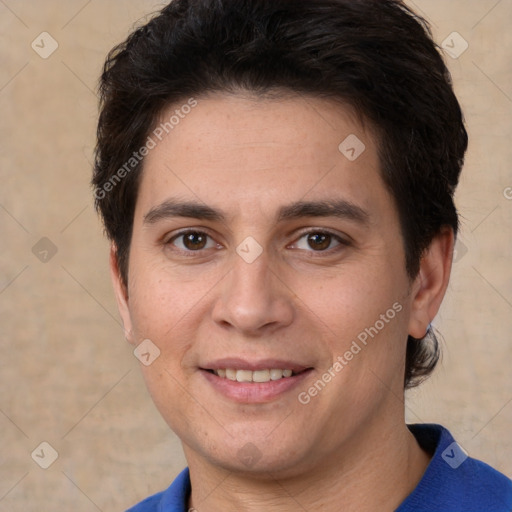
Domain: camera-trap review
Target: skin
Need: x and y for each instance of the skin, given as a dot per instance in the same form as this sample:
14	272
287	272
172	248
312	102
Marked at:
249	157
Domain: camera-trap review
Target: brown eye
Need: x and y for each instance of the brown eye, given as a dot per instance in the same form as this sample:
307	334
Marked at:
192	241
319	241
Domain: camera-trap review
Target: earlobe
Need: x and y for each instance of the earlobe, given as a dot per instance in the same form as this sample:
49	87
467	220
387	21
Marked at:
121	293
430	284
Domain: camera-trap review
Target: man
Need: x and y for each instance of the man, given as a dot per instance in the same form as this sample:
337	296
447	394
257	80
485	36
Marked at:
277	180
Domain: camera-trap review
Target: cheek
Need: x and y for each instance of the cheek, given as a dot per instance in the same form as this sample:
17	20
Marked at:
158	296
363	318
170	395
348	302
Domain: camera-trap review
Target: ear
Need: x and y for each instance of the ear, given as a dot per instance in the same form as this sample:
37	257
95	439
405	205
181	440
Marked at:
431	282
121	294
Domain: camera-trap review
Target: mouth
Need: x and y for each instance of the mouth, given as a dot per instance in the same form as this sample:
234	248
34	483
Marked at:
258	376
259	382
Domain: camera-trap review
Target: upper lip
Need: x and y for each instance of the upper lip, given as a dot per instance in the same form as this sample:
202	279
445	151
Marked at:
262	364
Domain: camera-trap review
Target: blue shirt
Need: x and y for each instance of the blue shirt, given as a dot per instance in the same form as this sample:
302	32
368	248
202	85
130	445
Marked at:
452	482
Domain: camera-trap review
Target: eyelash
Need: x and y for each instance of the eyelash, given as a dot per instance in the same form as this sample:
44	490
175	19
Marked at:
190	253
341	242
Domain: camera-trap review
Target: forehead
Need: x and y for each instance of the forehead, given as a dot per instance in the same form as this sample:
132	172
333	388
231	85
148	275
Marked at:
248	152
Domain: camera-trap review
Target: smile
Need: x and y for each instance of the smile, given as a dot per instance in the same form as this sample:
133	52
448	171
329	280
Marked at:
259	384
253	376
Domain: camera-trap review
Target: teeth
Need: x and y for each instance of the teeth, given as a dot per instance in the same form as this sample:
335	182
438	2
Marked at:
261	376
244	375
276	374
256	376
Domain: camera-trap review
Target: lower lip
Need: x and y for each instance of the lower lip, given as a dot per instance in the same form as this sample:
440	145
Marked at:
254	392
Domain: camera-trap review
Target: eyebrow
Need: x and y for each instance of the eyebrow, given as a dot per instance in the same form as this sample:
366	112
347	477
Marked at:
339	208
175	208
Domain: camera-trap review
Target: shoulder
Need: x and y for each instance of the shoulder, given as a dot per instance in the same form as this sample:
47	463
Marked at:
174	499
454	481
150	504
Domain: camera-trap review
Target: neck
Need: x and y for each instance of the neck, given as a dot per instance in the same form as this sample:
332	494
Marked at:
376	471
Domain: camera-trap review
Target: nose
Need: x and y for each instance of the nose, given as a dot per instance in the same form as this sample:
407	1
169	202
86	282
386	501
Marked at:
253	298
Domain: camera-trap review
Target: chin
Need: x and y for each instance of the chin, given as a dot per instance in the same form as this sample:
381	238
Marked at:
262	466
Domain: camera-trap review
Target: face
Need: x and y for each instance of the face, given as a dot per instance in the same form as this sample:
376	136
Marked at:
261	249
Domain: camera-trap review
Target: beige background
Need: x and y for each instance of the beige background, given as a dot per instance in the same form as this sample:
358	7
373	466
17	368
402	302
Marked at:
67	375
